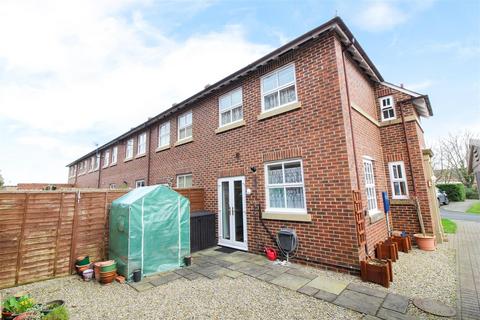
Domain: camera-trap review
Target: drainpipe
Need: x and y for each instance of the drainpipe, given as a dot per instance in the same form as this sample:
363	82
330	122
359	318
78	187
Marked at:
148	154
99	167
351	123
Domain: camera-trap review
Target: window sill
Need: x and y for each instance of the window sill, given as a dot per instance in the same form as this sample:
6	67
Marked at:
162	148
113	164
301	217
236	124
128	159
183	141
105	167
375	216
279	110
401	202
140	155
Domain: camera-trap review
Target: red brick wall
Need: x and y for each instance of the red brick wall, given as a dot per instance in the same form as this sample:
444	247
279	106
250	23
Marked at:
315	133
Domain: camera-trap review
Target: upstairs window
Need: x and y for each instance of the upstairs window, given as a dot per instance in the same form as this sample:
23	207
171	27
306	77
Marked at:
370	189
185	126
106	158
285	187
387	108
279	88
92	163
398	180
230	107
129	149
184	181
97	161
114	154
164	134
142	143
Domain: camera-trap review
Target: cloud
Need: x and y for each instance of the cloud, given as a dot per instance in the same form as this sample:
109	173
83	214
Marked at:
73	68
384	15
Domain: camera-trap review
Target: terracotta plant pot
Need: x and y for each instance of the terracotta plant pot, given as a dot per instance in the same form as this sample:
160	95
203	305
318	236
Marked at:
108	268
83	261
80	269
377	271
108	277
425	242
8	315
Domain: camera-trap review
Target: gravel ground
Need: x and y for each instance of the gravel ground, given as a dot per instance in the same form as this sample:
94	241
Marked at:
223	298
416	274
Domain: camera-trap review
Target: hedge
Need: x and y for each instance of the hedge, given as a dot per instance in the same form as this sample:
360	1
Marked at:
471	193
455	191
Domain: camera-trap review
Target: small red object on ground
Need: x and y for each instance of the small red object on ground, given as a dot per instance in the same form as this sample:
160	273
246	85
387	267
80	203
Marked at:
271	253
120	279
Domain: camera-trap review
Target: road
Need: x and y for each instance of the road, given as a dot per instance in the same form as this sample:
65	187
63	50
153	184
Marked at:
459	216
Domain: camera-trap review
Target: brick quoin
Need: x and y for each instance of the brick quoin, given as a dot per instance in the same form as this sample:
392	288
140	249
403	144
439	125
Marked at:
319	133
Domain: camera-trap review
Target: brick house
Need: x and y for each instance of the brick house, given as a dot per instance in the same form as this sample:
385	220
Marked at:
284	142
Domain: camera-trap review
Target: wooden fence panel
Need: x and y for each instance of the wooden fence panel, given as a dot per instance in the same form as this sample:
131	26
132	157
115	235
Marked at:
42	233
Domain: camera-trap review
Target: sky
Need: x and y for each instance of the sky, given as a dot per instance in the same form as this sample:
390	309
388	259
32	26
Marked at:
74	74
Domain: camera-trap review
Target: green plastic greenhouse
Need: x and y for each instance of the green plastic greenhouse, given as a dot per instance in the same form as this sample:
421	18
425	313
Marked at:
149	230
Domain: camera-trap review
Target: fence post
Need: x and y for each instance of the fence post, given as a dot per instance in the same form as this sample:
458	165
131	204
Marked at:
57	235
74	231
20	239
105	226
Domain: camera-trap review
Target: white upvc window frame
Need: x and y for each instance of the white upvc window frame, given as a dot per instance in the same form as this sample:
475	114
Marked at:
142	144
114	155
92	164
185	127
139	183
230	108
279	88
389	106
97	161
112	186
106	158
182	177
285	185
164	135
129	149
370	187
392	169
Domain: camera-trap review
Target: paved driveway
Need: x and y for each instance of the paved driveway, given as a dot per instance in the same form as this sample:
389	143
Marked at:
460	206
466	242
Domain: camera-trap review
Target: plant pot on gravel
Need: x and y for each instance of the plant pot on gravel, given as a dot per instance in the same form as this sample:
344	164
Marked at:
425	242
7	315
82	261
49	306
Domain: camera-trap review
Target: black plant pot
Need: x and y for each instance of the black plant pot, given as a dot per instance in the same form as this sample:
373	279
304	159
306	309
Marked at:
188	260
137	275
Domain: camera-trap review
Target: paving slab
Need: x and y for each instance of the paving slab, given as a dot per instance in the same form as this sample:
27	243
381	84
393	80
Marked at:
290	281
166	278
141	286
193	276
302	273
434	307
251	269
184	271
360	302
392	315
396	303
370	317
325	295
266	277
221	262
367	290
328	285
309	291
233	257
233	274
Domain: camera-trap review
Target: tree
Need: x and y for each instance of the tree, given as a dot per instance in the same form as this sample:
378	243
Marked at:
450	158
1	179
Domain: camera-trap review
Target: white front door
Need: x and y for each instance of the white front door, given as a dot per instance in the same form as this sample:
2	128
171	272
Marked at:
232	209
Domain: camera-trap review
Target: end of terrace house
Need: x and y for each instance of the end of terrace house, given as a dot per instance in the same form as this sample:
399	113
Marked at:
286	141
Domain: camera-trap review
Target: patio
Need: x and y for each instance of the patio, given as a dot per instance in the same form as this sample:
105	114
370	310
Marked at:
231	285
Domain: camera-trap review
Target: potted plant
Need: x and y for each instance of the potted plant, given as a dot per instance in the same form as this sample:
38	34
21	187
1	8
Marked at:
9	307
424	241
59	313
14	306
50	306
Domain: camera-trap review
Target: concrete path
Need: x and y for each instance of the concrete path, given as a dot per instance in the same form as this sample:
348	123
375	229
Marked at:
467	243
210	263
461	206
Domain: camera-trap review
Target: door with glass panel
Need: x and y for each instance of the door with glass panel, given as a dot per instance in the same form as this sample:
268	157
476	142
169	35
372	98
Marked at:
232	218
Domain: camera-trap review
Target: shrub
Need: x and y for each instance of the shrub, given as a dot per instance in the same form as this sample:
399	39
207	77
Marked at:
59	313
471	193
455	191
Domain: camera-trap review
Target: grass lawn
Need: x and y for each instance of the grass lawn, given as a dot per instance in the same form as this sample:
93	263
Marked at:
475	208
449	226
